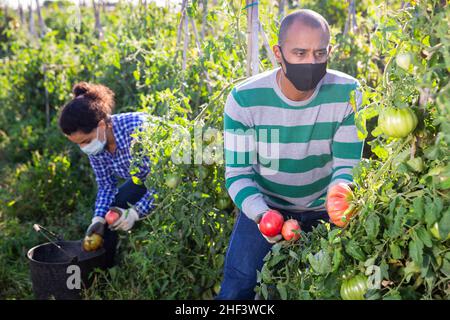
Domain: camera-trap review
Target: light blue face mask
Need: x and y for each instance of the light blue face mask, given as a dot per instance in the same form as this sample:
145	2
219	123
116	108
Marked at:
95	146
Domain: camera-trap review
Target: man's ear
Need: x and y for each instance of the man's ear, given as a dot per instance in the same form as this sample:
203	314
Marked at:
330	49
277	53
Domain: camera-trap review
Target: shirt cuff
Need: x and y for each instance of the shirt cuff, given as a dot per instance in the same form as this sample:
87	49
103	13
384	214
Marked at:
254	208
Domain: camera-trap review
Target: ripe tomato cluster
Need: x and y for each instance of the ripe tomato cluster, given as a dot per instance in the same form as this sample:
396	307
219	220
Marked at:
272	224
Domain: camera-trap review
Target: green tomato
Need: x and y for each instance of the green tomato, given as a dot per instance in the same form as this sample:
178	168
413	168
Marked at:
403	60
354	288
172	181
397	123
416	164
435	232
223	203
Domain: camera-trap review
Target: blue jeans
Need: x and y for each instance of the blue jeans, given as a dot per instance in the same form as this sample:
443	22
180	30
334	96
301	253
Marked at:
128	193
246	251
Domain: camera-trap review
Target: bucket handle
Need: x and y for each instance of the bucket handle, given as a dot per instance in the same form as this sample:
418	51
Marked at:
45	232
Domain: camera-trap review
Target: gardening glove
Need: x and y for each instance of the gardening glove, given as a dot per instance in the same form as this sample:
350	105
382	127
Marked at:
127	219
272	240
97	226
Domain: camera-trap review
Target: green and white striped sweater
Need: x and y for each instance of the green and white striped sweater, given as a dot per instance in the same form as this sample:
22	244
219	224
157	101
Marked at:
286	153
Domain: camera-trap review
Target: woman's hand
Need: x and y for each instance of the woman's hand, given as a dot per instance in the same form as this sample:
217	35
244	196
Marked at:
97	226
127	219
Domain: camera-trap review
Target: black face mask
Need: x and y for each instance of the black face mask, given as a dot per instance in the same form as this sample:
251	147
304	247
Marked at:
304	76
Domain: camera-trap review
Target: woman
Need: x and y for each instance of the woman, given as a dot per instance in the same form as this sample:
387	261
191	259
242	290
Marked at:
87	121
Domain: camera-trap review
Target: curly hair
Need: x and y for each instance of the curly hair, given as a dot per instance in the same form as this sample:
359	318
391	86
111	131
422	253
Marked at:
91	104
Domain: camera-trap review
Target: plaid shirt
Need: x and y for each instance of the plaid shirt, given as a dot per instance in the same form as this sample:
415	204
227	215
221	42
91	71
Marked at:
107	166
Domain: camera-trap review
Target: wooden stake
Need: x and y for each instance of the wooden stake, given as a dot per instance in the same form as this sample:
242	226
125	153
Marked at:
31	26
200	53
180	25
21	15
252	37
98	25
204	19
281	9
186	41
42	25
351	17
272	58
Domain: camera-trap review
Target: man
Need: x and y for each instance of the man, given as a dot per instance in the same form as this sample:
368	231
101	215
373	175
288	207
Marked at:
289	136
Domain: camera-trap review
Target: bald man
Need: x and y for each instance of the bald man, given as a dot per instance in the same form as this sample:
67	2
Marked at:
289	136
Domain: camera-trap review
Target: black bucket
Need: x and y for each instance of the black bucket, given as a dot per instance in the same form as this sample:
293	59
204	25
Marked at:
55	275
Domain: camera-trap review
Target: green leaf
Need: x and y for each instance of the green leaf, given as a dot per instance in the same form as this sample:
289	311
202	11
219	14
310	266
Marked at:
333	233
276	259
416	250
264	291
276	248
380	152
384	270
373	294
293	255
337	259
418	208
265	274
425	266
136	180
444	225
320	262
445	269
396	252
353	249
396	228
372	226
423	234
431	153
282	290
430	216
410	270
394	295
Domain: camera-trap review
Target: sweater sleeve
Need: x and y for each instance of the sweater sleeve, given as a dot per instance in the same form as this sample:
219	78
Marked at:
240	155
346	147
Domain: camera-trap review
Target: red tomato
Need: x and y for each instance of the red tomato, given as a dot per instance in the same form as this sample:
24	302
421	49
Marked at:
111	216
337	204
271	223
291	230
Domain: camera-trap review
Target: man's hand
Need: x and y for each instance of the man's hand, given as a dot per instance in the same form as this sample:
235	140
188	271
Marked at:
127	219
271	239
97	226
